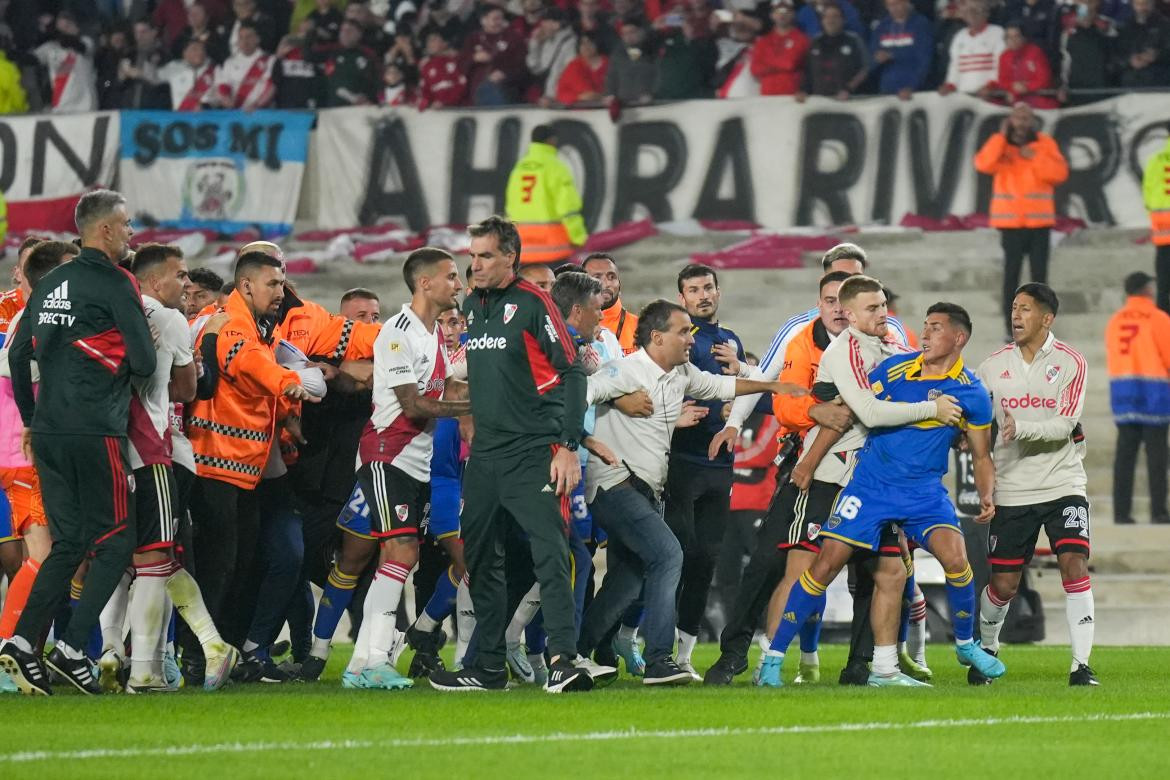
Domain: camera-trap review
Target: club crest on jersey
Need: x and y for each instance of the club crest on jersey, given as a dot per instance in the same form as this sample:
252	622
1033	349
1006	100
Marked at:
403	512
991	542
470	317
1051	373
509	312
814	530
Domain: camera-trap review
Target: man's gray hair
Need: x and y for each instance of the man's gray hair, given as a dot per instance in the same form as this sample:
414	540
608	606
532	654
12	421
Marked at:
844	252
574	289
96	206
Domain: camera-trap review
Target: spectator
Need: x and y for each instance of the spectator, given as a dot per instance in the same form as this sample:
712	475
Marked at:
551	48
439	16
244	80
1143	48
583	80
396	90
140	85
1119	12
326	23
246	12
1023	71
529	20
808	19
1086	52
374	37
733	72
1026	166
13	99
837	60
1156	199
1039	20
189	78
591	18
442	81
973	60
686	60
403	53
778	56
172	17
351	72
948	24
1137	354
493	57
200	26
632	72
296	76
903	48
69	59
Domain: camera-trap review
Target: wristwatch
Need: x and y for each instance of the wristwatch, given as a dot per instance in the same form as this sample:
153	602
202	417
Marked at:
572	445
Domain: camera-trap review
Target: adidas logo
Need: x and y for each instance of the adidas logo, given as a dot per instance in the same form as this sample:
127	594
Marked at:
1085	620
790	617
59	298
1006	374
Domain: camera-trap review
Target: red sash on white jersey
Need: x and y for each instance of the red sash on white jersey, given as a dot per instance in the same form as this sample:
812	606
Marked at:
61	78
257	74
195	95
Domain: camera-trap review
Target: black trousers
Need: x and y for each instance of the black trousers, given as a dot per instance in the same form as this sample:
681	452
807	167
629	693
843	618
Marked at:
760	577
698	509
1017	244
1162	271
1130	438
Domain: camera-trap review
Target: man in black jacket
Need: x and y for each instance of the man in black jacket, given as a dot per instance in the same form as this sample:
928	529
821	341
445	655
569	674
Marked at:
86	329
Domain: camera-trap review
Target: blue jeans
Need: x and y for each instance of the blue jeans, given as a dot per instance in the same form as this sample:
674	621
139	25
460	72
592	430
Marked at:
644	557
281	550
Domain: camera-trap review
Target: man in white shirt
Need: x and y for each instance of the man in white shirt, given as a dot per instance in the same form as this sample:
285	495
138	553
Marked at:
625	495
1037	386
974	54
190	78
68	56
245	78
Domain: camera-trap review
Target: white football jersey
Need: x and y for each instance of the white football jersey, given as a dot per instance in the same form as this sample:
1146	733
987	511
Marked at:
150	404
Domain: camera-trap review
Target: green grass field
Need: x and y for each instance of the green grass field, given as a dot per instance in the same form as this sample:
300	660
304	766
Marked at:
1028	724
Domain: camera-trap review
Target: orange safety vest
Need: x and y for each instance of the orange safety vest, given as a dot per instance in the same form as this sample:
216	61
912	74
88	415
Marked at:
543	242
1022	188
801	361
621	323
317	332
232	431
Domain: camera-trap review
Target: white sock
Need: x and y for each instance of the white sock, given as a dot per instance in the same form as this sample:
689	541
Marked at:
147	600
188	599
168	609
361	645
381	610
627	633
1078	608
249	646
686	646
992	612
464	619
885	660
23	645
72	653
916	636
810	659
525	612
113	617
320	648
426	623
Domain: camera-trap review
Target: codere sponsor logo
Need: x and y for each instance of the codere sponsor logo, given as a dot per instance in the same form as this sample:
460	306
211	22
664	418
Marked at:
488	342
1028	402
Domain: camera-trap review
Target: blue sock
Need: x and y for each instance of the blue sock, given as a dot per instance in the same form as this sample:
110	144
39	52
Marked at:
907	600
94	648
442	602
534	636
810	634
961	597
806	599
338	594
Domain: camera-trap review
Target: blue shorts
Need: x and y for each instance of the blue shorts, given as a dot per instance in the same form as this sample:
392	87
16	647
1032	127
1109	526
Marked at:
446	506
7	533
355	515
865	509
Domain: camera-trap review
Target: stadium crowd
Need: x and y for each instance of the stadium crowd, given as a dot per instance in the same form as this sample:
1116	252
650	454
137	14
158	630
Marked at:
68	55
200	451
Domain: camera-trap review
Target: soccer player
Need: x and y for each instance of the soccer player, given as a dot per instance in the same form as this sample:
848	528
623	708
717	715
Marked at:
411	374
1037	386
845	365
87	332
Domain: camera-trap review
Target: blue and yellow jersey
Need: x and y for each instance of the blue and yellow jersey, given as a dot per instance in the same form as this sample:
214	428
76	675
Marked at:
921	450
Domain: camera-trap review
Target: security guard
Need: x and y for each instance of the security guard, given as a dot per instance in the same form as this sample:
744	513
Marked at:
543	202
1156	193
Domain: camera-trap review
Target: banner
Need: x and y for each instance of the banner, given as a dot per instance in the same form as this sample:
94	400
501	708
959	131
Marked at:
768	160
220	170
48	161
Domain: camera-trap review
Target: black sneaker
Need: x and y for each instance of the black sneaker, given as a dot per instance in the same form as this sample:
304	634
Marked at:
725	670
564	676
425	664
470	680
856	672
78	672
605	656
975	677
312	668
25	669
666	672
194	671
256	669
1083	676
426	645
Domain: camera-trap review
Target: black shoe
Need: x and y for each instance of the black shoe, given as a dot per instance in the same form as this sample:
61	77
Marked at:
564	676
255	669
666	672
194	672
425	664
426	641
311	669
975	677
470	680
725	670
25	669
605	656
1124	521
1158	520
1083	676
277	649
78	672
856	672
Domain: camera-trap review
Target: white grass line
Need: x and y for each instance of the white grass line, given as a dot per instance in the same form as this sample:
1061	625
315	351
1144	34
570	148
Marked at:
589	736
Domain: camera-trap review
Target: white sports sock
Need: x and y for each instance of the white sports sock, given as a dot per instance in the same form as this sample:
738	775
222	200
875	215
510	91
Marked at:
992	611
885	660
916	636
686	646
1078	608
810	659
147	600
381	610
320	648
464	619
168	609
113	617
249	646
426	623
188	599
627	633
361	645
525	612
